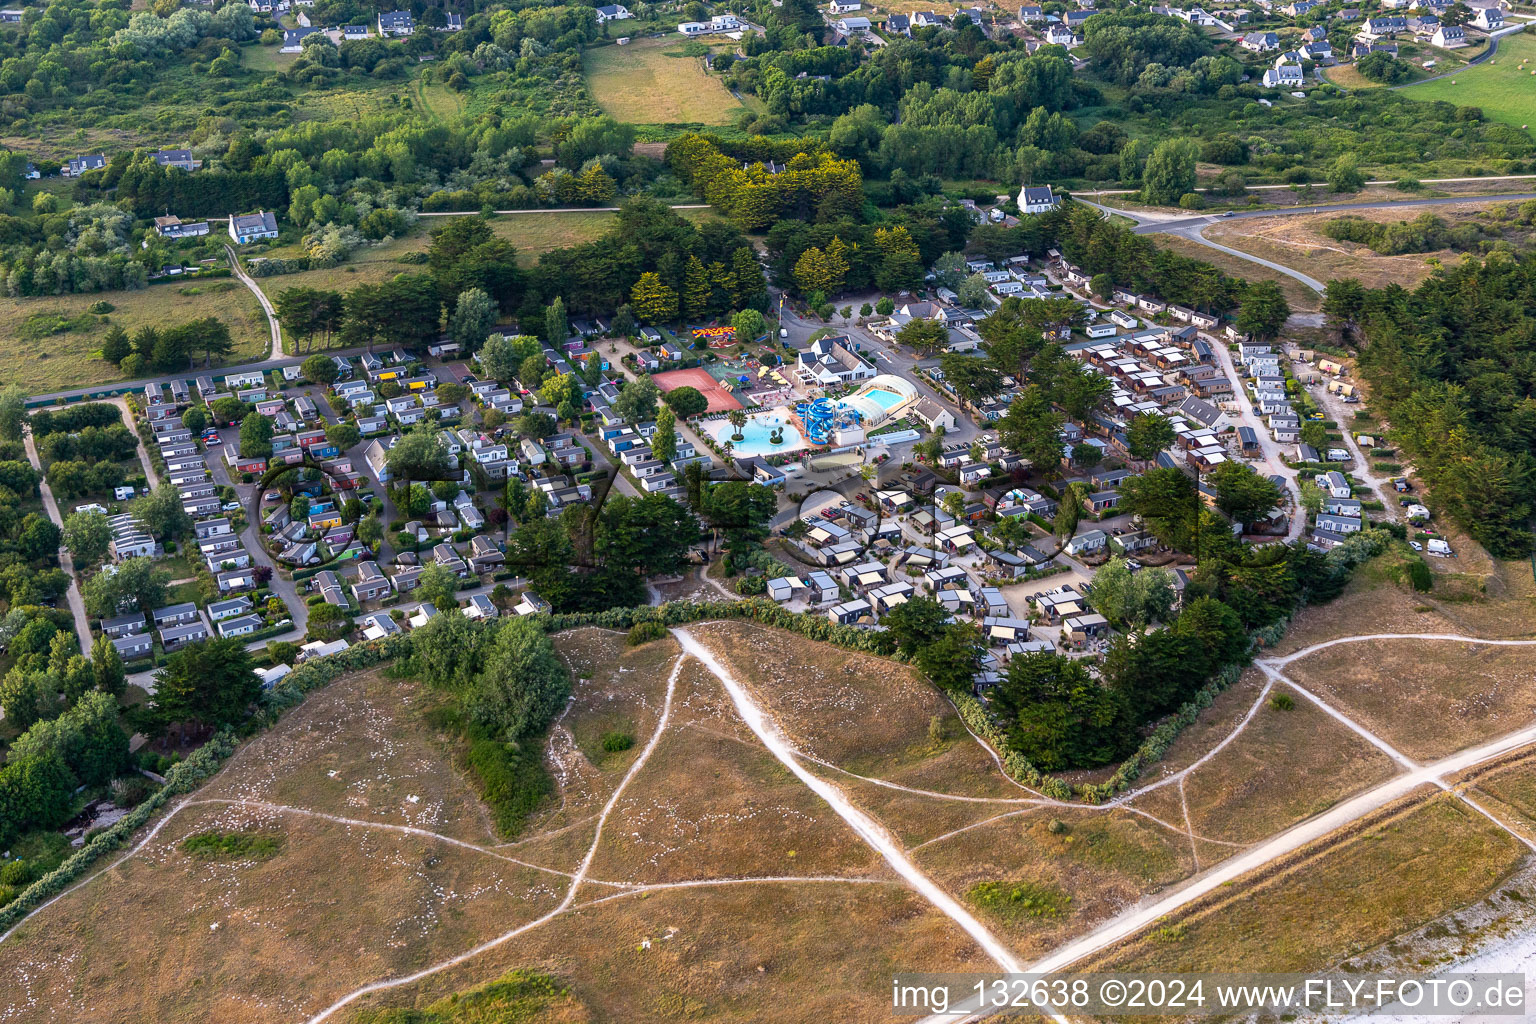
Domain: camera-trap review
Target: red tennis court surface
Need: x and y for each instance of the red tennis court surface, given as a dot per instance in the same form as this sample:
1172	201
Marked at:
720	400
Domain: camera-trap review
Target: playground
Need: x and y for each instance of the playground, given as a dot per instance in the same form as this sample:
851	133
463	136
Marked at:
719	396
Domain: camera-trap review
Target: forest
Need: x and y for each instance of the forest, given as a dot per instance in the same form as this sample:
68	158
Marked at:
1452	366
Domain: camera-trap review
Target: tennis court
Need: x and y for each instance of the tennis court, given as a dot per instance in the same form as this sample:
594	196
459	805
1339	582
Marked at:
720	400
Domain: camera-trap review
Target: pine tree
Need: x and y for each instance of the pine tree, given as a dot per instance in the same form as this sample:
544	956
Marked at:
695	289
556	327
747	275
811	272
653	302
664	440
837	264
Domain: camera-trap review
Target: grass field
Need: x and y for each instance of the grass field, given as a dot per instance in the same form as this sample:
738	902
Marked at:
1504	91
1341	900
532	233
68	359
1299	296
649	81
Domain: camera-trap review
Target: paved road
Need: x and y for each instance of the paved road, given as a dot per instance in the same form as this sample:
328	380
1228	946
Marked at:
562	209
276	352
144	460
1193	228
76	603
1273	461
1493	48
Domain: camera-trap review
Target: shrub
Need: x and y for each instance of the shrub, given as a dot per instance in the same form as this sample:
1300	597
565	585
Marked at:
645	632
1419	575
1282	702
101	307
617	742
131	790
511	778
1015	901
216	845
15	873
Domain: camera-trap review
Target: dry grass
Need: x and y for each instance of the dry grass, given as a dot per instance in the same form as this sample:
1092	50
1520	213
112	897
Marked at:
257	941
1341	898
1105	861
1301	298
1428	698
712	803
648	81
1298	241
1285	766
71	359
359	749
867	715
792	953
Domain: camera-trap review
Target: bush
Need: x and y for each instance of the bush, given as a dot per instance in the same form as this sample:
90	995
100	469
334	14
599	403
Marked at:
101	307
216	845
511	778
1016	901
1282	702
617	742
645	632
131	790
15	873
1191	201
1419	575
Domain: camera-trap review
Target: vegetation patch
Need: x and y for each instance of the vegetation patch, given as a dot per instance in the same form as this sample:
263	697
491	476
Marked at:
517	996
1018	901
216	845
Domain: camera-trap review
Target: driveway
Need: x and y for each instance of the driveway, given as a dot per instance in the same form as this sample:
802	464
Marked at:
72	595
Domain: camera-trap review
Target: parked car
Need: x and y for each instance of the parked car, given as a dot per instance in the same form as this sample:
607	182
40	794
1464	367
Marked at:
1416	545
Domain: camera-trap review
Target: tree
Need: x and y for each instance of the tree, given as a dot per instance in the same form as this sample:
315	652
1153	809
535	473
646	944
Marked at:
556	327
1057	716
1168	503
695	289
686	401
1314	433
439	584
137	582
749	326
648	535
13	412
107	666
664	440
974	292
916	624
949	270
560	390
653	301
419	455
523	684
210	683
256	436
1344	175
87	535
637	401
1148	434
1243	494
228	409
924	336
1033	429
474	313
328	622
1086	456
1170	172
162	513
320	369
738	420
1263	310
343	435
115	346
1132	599
195	419
623	325
974	380
1312	497
1069	512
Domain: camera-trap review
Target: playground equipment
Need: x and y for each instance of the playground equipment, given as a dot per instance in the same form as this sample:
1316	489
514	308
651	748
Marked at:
824	417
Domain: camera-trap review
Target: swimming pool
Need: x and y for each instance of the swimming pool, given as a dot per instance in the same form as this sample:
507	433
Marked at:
886	400
756	434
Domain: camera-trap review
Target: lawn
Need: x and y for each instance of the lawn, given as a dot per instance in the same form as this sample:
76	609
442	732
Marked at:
1504	90
649	81
52	344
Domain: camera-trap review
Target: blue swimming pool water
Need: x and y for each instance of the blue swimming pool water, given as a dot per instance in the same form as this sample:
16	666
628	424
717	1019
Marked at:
883	398
756	433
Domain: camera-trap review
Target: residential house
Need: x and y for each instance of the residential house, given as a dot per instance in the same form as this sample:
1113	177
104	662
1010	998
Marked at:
220	610
79	165
371	583
172	226
174	637
396	23
1449	37
1489	19
1037	199
612	12
1286	76
178	158
240	625
252	227
1260	42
